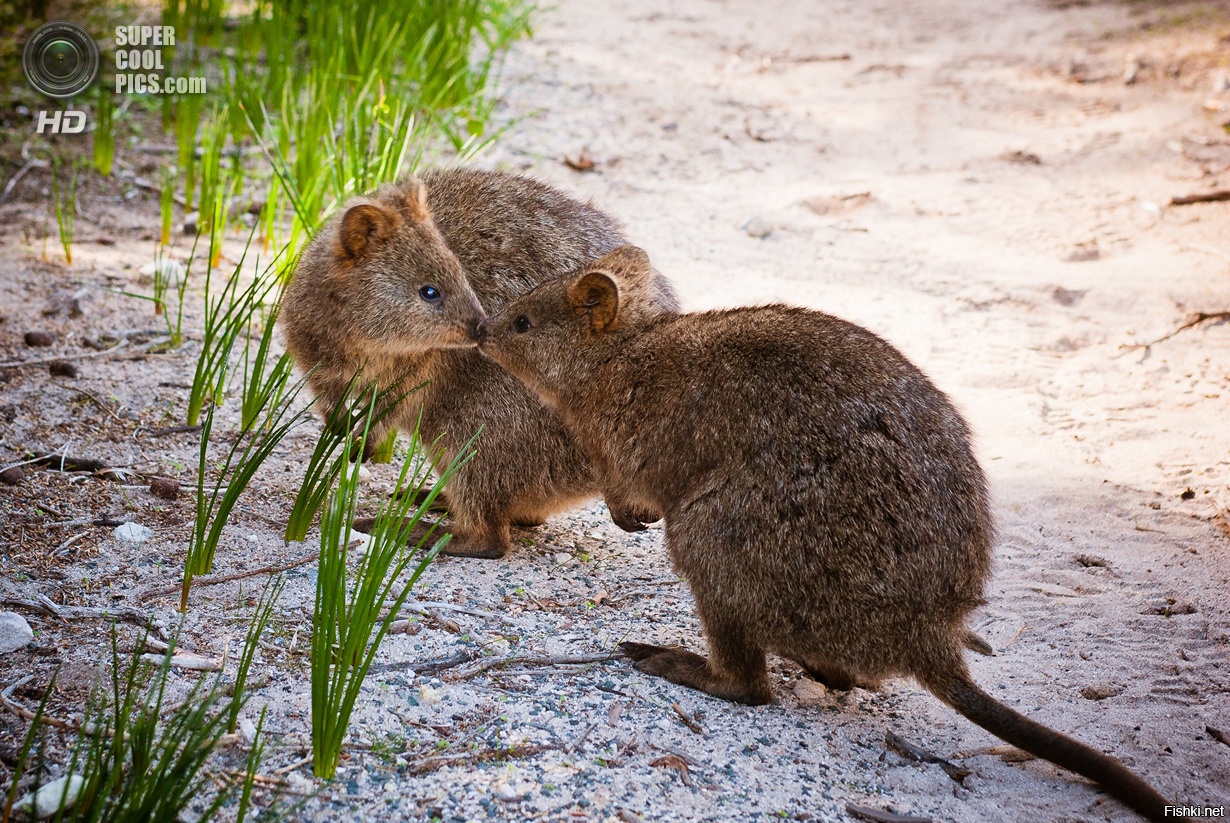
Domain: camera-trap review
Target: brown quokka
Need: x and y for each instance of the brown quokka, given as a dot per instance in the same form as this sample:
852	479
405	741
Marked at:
392	284
820	493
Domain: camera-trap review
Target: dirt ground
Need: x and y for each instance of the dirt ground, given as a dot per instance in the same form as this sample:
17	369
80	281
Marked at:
988	186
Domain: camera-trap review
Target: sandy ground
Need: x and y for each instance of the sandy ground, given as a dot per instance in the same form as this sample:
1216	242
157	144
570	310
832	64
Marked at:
982	186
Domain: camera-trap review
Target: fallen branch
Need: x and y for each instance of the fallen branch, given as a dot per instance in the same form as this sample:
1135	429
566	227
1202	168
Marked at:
40	361
426	667
6	699
64	463
1005	752
427	606
910	751
22	172
62	549
191	662
571	747
819	58
868	813
687	719
1205	197
213	580
533	660
673	761
1196	320
429	764
97	402
1221	255
87	521
172	430
125	614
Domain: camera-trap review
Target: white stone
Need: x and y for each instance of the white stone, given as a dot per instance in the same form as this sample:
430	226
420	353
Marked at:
810	693
429	696
133	533
248	729
47	800
15	632
361	539
562	558
167	269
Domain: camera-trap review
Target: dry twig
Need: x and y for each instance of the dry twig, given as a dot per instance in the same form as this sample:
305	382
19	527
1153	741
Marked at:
1198	318
213	580
533	660
908	750
126	614
40	361
1203	197
429	764
868	813
687	719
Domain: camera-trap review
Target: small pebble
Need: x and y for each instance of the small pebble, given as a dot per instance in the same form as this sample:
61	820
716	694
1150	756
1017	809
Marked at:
13	476
40	339
1082	254
15	632
561	558
758	228
429	696
164	487
62	368
1101	691
133	533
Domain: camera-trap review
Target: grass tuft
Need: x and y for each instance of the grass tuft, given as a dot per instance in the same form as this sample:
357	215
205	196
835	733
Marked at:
348	626
137	758
334	448
65	204
236	471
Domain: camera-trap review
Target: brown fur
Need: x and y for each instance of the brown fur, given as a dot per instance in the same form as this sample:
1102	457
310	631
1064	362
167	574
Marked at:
820	493
354	302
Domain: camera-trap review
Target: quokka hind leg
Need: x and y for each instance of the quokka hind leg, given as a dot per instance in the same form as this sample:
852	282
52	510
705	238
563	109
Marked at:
489	539
734	671
483	543
830	676
364	525
440	504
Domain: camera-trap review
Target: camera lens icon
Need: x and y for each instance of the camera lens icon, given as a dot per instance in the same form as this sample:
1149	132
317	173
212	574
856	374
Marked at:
60	59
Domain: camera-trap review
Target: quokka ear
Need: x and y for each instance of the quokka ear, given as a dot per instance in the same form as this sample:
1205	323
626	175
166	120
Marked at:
411	198
629	263
595	297
364	227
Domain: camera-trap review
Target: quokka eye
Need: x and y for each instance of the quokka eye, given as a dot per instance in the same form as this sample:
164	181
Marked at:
522	324
431	294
